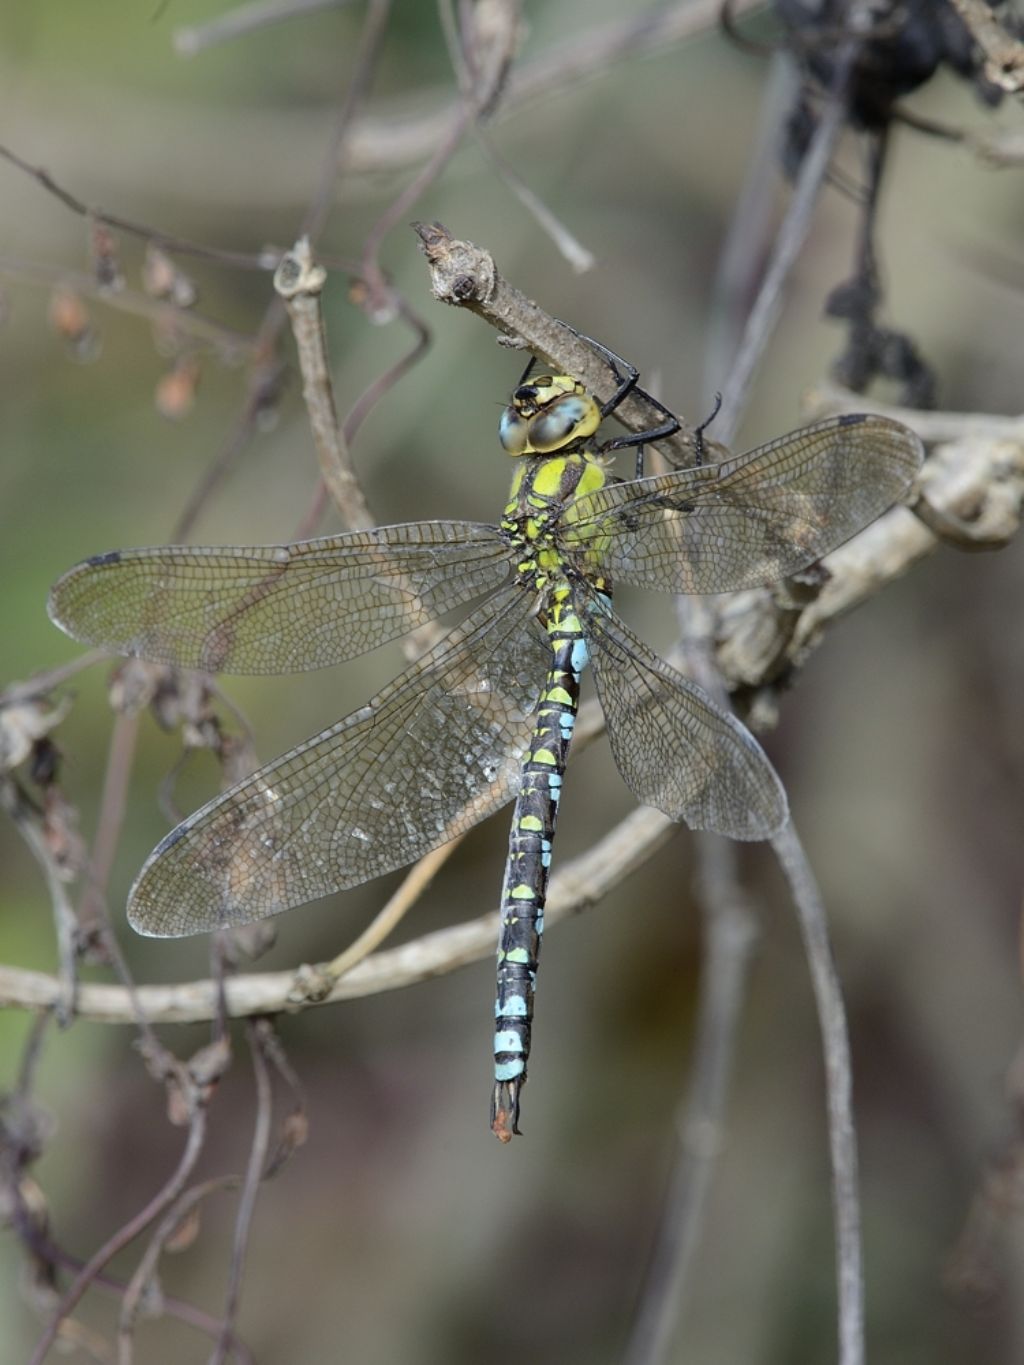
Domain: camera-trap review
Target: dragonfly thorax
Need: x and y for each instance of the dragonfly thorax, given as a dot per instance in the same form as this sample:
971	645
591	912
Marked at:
541	500
543	488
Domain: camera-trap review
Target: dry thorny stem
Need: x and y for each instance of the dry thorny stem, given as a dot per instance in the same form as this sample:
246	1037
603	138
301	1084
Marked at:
972	495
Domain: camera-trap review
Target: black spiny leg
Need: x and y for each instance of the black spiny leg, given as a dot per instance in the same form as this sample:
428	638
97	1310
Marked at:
527	372
698	434
626	376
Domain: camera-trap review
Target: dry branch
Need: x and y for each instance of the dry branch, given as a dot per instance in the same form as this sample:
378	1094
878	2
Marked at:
465	276
576	886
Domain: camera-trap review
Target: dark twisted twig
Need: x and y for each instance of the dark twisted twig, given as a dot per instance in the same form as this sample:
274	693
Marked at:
126	1234
250	1188
133	1293
835	1048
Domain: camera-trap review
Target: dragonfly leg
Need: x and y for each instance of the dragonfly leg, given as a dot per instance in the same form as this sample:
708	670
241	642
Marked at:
527	372
626	377
698	432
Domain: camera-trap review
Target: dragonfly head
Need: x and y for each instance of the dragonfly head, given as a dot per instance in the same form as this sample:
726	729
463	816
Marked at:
550	413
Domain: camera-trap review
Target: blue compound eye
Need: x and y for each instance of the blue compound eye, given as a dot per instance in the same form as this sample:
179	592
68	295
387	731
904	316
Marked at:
513	430
563	421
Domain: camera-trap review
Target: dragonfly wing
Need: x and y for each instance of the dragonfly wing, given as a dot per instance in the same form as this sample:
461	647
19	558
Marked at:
674	747
277	608
429	756
751	520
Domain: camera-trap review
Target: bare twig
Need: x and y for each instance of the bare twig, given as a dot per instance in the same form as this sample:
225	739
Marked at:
161	312
262	381
401	206
367	52
967	489
384	383
835	1044
730	933
414	884
164	1197
480	88
574	888
182	245
245	19
92	909
133	1293
465	276
30	1057
367	401
825	400
264	376
300	281
752	227
174	1307
250	1188
792	235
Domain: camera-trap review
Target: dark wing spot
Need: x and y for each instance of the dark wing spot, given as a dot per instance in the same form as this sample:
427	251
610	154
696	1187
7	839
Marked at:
111	557
852	419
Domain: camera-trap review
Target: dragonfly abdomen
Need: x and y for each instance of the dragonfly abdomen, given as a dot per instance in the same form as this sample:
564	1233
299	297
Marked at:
526	872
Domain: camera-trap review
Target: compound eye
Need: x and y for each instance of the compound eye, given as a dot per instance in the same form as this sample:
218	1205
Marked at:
513	432
563	421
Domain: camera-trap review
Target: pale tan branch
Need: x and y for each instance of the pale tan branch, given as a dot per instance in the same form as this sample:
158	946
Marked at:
1004	54
299	280
577	886
465	276
970	492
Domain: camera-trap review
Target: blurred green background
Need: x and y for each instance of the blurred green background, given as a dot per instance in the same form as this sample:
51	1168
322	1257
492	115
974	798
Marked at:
403	1232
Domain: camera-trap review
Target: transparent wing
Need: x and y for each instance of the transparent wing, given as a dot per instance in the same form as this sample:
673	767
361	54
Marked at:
429	756
674	747
277	608
751	520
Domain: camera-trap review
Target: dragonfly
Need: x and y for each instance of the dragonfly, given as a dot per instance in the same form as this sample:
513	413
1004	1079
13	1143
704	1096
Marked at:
485	716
